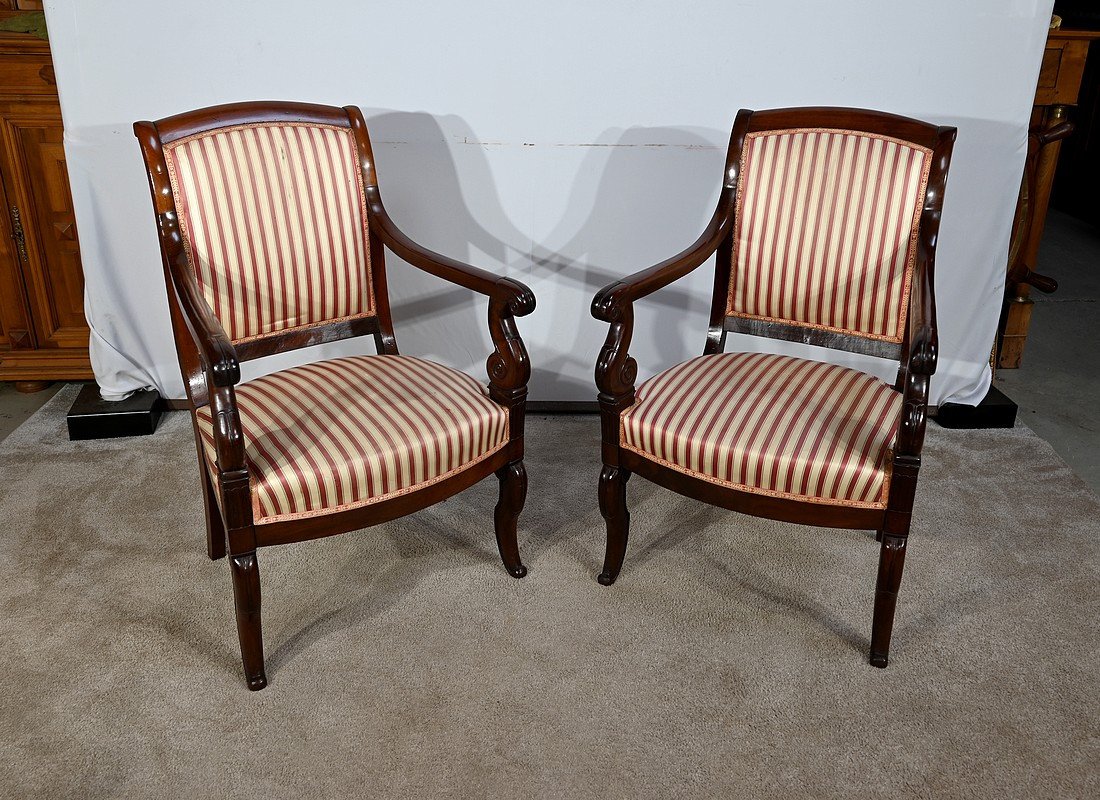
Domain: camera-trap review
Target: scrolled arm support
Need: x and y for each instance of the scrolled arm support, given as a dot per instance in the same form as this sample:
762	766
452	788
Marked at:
922	347
616	371
508	366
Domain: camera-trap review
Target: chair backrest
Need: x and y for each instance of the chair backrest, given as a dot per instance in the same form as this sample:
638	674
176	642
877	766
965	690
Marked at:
273	220
826	218
265	206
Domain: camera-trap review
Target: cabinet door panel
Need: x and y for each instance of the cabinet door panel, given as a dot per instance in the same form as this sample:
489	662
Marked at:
15	327
38	185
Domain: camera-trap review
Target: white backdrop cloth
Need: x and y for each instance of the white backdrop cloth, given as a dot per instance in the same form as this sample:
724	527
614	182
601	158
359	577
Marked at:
565	144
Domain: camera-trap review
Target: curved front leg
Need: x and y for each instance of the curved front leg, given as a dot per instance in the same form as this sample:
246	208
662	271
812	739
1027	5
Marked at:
615	374
617	518
513	493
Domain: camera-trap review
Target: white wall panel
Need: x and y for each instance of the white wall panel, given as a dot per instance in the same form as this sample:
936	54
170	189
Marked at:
564	143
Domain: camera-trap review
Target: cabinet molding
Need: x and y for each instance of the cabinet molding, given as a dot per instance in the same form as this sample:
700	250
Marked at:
43	331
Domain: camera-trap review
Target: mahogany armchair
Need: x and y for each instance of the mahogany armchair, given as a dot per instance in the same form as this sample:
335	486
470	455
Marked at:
272	232
825	233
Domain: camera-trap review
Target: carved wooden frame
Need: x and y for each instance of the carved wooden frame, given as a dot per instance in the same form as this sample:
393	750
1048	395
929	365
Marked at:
616	371
210	364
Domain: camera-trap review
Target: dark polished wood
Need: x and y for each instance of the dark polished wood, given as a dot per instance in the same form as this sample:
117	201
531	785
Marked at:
513	493
772	329
30	387
617	516
246	596
756	505
210	364
917	354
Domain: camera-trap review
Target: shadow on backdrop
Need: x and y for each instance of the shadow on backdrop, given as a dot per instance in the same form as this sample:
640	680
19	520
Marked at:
639	196
431	173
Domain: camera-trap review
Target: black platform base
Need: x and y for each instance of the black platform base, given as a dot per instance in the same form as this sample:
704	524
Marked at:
995	411
92	417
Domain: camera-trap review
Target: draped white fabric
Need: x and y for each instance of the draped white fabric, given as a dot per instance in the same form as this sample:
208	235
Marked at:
565	143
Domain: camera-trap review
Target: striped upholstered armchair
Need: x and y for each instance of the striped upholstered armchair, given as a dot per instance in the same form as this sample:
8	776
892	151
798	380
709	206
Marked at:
825	234
272	232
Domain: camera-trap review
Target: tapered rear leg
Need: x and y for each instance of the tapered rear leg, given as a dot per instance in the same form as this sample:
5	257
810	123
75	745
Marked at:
613	507
513	493
246	593
890	565
215	528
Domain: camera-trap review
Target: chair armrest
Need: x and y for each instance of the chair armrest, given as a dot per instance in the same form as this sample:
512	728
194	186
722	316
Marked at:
508	366
219	357
221	370
615	369
609	301
519	299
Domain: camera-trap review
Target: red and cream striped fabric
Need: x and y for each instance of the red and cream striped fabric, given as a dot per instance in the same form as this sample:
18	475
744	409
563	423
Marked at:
273	218
348	432
770	424
825	230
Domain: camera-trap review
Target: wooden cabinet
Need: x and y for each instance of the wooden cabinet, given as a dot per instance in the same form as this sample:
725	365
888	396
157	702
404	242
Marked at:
43	333
1058	86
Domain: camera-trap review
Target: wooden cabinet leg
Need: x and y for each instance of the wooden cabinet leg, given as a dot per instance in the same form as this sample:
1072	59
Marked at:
30	387
1017	320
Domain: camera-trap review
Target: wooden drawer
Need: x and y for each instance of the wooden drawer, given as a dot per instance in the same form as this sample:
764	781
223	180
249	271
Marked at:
1061	70
26	75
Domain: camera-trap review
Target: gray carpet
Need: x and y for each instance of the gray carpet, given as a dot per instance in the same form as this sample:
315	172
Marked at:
729	660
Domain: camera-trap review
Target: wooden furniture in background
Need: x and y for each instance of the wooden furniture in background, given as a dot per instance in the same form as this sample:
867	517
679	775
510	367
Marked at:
775	436
43	333
1059	83
296	259
1077	180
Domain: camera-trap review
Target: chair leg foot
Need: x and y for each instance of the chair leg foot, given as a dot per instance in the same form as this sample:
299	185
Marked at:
246	593
513	493
617	518
890	565
878	535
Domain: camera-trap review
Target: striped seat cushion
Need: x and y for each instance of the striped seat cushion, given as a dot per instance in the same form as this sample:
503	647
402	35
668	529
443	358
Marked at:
825	230
348	432
770	424
273	218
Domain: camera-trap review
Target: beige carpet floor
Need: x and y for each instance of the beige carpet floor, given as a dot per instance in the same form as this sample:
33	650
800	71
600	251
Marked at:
728	661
